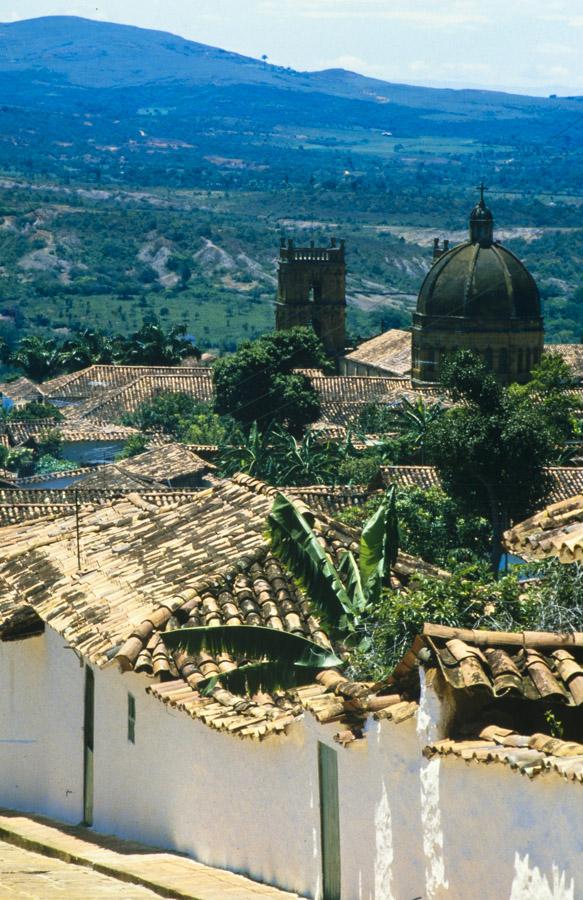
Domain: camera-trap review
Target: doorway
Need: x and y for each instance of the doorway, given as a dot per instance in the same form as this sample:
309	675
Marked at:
329	821
88	733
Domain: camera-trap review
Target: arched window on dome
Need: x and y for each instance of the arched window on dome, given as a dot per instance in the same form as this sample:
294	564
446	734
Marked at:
503	360
520	361
528	360
489	358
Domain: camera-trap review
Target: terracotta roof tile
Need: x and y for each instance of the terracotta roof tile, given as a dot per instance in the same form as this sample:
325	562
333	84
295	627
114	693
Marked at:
556	530
389	352
98	379
187	560
565	481
531	665
21	391
528	754
112	405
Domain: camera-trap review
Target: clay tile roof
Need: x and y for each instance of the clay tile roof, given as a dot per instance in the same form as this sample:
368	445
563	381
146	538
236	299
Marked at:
330	499
21	432
19	504
390	352
424	477
528	754
535	666
572	355
344	397
21	391
112	405
565	481
169	462
153	561
98	379
556	530
113	477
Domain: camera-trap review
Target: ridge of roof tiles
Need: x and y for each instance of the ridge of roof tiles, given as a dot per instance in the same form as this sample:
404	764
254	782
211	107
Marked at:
534	666
530	755
556	530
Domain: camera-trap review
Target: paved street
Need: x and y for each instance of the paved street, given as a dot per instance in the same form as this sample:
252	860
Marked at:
29	875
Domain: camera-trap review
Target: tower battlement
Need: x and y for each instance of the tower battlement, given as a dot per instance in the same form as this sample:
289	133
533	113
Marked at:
312	291
288	252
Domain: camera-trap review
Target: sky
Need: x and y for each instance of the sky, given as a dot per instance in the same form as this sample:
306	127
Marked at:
531	46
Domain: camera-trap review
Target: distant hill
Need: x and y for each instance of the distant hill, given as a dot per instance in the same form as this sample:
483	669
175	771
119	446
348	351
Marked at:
91	54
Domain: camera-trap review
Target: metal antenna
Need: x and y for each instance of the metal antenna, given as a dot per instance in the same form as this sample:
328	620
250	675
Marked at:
78	530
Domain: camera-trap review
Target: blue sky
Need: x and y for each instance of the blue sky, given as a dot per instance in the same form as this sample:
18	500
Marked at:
535	46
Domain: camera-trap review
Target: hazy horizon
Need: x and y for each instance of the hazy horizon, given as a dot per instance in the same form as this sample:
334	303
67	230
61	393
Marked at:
461	46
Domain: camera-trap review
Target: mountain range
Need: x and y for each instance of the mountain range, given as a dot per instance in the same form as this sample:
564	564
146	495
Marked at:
67	55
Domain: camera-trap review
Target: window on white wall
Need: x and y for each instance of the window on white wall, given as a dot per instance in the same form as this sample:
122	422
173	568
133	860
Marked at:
131	718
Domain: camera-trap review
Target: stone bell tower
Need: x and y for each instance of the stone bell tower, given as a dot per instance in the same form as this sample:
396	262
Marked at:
312	291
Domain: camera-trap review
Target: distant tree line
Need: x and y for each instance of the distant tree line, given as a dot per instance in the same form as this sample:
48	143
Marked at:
151	345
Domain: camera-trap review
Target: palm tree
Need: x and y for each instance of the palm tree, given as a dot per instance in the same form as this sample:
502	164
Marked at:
342	596
152	346
413	419
86	349
38	357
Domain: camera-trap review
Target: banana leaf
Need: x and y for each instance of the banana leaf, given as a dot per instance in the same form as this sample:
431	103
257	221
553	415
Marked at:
265	676
379	544
252	642
294	543
353	582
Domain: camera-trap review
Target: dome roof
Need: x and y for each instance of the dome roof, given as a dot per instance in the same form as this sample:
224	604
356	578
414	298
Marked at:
479	278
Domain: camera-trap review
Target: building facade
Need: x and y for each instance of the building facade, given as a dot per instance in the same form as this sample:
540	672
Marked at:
478	296
312	291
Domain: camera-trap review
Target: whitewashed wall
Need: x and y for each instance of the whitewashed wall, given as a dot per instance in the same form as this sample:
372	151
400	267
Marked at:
410	827
41	727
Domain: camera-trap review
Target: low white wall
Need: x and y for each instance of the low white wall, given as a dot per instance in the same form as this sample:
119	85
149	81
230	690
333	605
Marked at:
233	803
41	727
410	827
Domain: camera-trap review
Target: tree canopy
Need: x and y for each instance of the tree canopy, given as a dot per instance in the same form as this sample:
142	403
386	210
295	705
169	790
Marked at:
258	382
491	449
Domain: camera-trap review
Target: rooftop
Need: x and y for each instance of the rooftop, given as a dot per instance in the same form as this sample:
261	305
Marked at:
556	530
390	352
163	465
192	559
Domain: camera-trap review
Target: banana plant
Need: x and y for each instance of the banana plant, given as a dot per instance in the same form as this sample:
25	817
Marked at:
342	596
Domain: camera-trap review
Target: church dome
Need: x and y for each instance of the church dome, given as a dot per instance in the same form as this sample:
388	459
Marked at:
480	278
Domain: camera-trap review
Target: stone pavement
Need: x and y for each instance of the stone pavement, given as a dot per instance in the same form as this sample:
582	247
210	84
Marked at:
29	876
140	867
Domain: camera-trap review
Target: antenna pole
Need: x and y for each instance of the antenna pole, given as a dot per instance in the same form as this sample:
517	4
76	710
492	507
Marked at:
78	530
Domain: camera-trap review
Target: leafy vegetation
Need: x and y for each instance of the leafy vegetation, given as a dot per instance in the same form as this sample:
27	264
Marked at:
151	345
491	449
260	382
342	596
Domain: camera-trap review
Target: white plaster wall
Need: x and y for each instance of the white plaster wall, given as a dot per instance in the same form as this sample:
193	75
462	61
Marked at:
515	838
234	803
410	827
381	845
41	727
